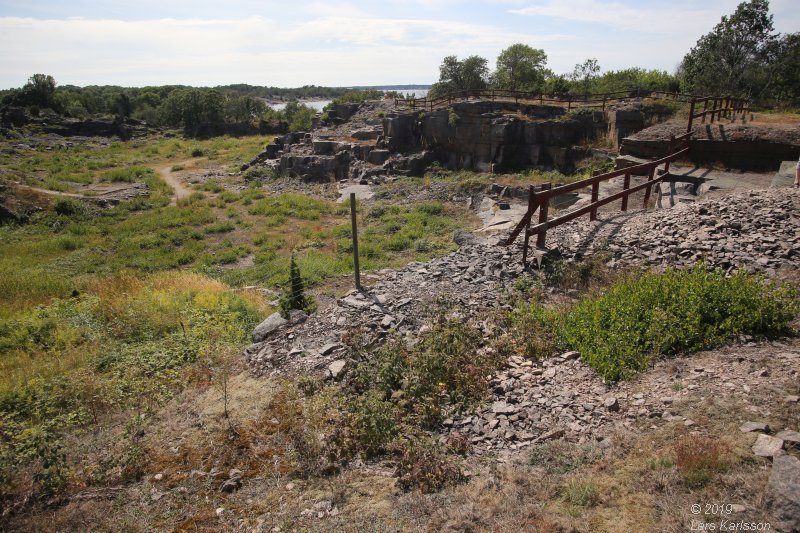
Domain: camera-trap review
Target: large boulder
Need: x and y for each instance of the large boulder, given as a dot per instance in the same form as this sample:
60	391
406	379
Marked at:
783	492
268	327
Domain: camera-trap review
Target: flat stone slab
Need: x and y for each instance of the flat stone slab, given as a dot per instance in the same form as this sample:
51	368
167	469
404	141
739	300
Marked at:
767	446
789	438
750	427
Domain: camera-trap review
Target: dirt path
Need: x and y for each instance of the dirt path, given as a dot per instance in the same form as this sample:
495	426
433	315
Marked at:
49	192
180	189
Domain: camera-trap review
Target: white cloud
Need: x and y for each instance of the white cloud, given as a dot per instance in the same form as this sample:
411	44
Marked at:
620	16
329	50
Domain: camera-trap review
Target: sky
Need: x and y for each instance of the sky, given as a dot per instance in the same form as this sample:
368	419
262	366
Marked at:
300	42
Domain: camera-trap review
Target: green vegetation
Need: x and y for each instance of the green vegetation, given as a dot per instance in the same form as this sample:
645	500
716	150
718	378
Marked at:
123	346
294	295
87	163
743	56
619	330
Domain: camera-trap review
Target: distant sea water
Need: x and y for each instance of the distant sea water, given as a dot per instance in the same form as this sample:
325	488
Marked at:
318	105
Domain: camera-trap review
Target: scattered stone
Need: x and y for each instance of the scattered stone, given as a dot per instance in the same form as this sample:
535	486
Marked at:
750	427
569	356
611	403
791	439
328	348
335	368
767	446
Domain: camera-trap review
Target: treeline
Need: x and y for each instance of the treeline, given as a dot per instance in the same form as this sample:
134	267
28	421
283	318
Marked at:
175	106
742	56
522	68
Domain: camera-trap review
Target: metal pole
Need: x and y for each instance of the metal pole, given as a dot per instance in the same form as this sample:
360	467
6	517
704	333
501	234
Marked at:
355	239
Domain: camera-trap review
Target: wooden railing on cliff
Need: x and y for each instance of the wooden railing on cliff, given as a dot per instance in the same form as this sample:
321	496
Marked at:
540	200
719	106
713	106
570	101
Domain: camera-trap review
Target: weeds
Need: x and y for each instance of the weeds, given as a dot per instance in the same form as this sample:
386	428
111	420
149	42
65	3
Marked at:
699	459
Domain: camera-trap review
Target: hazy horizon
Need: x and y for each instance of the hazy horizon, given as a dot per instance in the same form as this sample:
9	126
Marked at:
345	44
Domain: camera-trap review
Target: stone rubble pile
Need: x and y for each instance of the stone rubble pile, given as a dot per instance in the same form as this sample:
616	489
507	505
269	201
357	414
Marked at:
757	230
563	398
470	280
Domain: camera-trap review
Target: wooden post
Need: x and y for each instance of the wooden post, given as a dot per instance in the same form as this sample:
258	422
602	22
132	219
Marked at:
626	184
595	196
355	240
714	110
569	103
647	189
669	152
691	116
531	203
705	108
543	205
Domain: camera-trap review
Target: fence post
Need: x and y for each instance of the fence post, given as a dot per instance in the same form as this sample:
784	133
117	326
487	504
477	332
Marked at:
604	102
669	151
543	205
647	189
691	115
357	270
705	108
714	110
595	196
626	184
531	203
569	103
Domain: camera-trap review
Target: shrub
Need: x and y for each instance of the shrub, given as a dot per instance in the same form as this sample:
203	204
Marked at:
197	152
424	466
618	331
373	421
69	207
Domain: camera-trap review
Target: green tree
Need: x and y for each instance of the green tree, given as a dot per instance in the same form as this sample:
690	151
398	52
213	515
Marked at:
584	73
470	74
735	56
520	67
294	296
40	91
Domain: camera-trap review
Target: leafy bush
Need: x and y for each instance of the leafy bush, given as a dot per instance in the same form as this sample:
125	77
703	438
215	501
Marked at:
374	423
424	466
69	207
619	330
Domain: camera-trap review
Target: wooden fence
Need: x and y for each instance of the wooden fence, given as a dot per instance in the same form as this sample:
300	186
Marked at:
570	101
540	200
716	106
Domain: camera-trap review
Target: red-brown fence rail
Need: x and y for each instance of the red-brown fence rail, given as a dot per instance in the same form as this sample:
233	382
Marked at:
570	101
717	106
540	200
